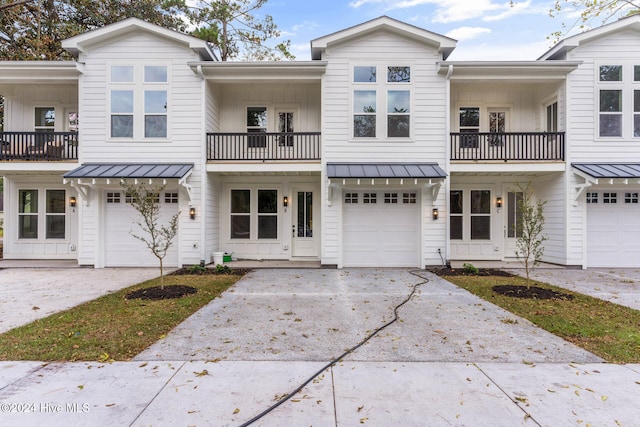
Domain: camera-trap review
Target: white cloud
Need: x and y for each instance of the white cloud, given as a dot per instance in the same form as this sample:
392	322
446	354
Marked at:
467	33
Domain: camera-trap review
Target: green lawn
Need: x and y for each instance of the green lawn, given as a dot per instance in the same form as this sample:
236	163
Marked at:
608	330
110	327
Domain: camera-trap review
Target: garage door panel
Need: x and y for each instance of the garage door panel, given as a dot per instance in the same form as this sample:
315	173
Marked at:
381	234
613	233
124	250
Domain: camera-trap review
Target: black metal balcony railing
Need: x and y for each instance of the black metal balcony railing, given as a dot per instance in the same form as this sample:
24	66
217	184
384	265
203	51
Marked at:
508	146
263	146
38	146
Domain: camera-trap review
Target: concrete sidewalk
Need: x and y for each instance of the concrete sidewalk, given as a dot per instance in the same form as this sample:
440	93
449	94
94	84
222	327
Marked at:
348	394
452	359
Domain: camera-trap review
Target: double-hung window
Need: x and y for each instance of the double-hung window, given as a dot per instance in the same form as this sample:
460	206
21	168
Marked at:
138	101
381	105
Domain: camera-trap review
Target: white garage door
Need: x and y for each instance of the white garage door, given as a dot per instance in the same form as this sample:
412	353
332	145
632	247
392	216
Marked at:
124	250
613	229
381	229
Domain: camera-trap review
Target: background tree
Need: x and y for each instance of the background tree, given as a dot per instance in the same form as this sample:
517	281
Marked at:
592	11
34	30
234	29
157	237
529	229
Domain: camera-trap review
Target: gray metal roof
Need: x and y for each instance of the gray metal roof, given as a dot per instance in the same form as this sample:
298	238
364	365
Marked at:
130	170
609	170
385	170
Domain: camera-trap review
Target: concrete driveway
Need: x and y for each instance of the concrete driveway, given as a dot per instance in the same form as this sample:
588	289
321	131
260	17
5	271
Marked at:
316	314
618	285
28	294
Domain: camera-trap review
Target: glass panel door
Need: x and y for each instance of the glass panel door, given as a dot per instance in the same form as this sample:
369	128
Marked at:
304	241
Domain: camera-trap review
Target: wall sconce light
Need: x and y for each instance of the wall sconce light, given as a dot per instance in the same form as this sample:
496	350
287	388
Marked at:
435	213
192	213
499	203
72	202
285	201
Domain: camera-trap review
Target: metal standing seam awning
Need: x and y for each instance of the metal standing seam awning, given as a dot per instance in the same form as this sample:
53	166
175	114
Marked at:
607	173
89	174
359	173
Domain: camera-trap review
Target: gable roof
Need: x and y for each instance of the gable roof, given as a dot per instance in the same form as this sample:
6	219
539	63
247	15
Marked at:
560	50
443	44
80	43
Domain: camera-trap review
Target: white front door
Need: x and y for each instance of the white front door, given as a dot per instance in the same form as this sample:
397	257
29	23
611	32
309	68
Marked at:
305	234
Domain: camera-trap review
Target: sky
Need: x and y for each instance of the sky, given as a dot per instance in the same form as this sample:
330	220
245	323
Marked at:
485	29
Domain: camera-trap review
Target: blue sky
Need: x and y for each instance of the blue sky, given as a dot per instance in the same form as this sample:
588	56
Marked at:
485	29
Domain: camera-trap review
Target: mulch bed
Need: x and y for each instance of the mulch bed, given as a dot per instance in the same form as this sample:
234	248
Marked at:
532	292
212	271
160	292
462	272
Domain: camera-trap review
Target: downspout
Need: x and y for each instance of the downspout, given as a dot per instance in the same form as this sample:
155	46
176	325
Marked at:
204	188
447	165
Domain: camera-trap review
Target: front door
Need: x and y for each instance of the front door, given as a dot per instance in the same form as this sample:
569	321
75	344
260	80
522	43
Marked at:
513	222
305	234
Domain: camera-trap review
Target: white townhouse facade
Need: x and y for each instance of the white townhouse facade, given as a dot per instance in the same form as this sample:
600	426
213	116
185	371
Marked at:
378	151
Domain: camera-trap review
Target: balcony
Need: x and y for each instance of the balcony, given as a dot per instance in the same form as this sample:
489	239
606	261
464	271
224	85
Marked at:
508	146
37	146
261	147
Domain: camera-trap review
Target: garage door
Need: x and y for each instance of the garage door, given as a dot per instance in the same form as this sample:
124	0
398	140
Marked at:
124	250
381	229
613	229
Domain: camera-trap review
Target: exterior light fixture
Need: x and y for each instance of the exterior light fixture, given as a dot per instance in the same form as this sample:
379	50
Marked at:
285	201
499	203
435	213
72	202
192	213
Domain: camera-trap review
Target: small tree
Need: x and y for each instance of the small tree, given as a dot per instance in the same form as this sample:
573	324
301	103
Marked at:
529	237
158	238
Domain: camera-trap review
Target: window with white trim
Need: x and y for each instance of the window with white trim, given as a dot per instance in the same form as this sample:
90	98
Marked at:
351	198
609	198
470	215
631	198
618	100
31	218
369	198
592	198
138	98
389	98
391	198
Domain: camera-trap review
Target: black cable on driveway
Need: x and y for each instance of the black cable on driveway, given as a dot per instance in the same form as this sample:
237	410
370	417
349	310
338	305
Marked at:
346	353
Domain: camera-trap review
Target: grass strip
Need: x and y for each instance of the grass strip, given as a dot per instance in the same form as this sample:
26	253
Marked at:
110	328
608	330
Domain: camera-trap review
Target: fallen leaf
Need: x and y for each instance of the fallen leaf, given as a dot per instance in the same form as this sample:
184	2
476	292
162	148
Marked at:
236	411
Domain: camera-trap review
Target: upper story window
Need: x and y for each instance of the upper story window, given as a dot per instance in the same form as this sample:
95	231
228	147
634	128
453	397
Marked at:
381	107
138	101
45	119
618	100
